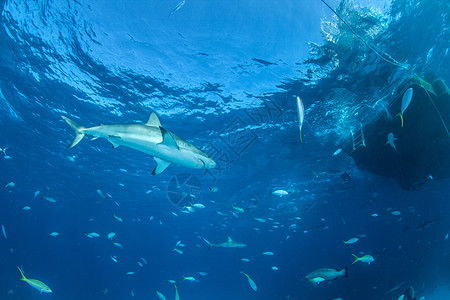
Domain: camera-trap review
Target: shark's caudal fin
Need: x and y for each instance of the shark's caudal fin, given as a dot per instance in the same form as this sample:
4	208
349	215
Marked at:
77	130
209	244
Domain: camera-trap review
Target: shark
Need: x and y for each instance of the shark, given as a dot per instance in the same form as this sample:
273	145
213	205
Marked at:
228	244
150	138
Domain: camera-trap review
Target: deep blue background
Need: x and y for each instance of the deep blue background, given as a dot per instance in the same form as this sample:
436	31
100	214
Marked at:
224	76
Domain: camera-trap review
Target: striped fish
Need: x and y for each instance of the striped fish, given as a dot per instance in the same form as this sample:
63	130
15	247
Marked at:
40	286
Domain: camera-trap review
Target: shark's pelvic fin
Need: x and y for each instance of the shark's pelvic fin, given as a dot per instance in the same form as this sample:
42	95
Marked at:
168	139
161	165
153	120
77	130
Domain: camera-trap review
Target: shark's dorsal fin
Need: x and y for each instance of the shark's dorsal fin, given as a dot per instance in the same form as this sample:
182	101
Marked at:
161	165
168	139
229	239
153	120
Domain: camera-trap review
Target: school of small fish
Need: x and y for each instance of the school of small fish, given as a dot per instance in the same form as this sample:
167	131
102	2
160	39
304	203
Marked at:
280	199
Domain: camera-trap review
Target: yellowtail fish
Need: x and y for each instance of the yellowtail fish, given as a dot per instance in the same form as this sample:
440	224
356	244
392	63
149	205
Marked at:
366	258
92	235
177	296
40	286
49	199
179	5
251	282
316	280
160	296
406	100
10	185
177	251
238	209
198	205
118	245
301	111
103	195
4	231
213	189
351	241
189	278
118	218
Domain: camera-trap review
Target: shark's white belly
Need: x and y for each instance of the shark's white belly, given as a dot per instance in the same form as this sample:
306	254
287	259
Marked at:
162	151
148	140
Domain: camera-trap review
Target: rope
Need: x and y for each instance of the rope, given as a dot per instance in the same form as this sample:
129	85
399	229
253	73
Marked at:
390	60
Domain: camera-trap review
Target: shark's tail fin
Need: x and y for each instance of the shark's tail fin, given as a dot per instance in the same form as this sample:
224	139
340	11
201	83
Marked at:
77	130
209	244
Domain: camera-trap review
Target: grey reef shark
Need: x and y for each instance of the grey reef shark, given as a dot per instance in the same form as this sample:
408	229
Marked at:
150	138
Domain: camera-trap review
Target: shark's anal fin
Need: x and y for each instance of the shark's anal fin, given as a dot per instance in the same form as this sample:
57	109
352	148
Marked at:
113	140
161	165
168	139
153	120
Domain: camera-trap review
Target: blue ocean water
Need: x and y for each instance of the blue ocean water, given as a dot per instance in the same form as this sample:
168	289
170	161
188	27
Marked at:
223	76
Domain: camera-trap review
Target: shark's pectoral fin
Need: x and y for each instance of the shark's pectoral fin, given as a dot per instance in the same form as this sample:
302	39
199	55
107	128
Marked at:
113	139
161	165
168	139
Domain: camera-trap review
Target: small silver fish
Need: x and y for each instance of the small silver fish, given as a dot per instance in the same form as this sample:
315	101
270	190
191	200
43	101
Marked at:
179	5
391	139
